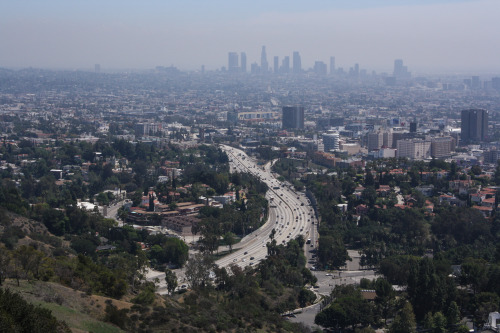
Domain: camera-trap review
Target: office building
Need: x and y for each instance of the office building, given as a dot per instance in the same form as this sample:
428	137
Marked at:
293	117
375	140
332	65
442	147
276	65
331	141
491	156
297	63
243	62
232	62
285	65
474	126
97	68
414	148
400	71
264	66
320	68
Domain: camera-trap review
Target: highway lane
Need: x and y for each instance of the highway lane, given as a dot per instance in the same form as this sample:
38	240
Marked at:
289	213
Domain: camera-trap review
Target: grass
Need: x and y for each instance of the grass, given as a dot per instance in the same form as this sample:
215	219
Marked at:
80	313
78	320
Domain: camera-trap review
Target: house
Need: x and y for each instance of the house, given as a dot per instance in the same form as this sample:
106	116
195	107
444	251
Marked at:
486	211
362	209
383	190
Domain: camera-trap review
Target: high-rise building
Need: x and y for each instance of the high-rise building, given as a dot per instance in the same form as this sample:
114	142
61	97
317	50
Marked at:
232	62
491	156
331	141
285	65
276	65
375	140
243	62
97	68
332	65
442	147
320	68
293	117
400	71
264	66
297	63
474	126
414	148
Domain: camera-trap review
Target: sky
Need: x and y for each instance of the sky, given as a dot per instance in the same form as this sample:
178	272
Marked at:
430	36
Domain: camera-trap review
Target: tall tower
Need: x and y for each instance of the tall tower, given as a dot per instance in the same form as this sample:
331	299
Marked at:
332	65
297	64
232	62
264	66
97	68
293	117
243	62
276	65
285	65
398	67
474	126
400	71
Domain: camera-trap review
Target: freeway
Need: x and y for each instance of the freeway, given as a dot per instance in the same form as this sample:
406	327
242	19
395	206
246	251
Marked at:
290	214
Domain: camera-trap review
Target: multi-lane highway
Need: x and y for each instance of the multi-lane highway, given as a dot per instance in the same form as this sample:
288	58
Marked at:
290	214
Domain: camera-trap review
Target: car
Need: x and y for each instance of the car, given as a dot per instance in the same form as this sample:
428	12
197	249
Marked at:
243	260
328	274
235	260
252	258
245	253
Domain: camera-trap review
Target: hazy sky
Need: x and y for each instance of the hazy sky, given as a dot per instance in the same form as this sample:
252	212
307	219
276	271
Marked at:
438	35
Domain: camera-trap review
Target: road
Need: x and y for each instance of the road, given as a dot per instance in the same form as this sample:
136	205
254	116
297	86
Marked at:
290	214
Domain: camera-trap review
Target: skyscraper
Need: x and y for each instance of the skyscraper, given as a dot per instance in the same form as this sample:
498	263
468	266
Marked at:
264	66
332	65
474	126
297	64
331	141
285	65
276	65
293	117
400	71
232	62
320	68
97	68
243	62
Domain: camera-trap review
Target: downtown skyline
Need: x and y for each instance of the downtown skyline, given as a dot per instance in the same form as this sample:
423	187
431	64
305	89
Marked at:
431	36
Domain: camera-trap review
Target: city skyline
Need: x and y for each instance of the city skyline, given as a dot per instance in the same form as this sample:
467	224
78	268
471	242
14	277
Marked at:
430	36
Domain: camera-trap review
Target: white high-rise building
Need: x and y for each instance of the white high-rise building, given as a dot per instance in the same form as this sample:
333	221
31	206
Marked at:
331	141
414	148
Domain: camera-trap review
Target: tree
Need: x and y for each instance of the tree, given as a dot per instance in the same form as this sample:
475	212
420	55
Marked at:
198	270
171	280
4	263
385	293
230	240
439	323
453	314
306	297
332	251
404	321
